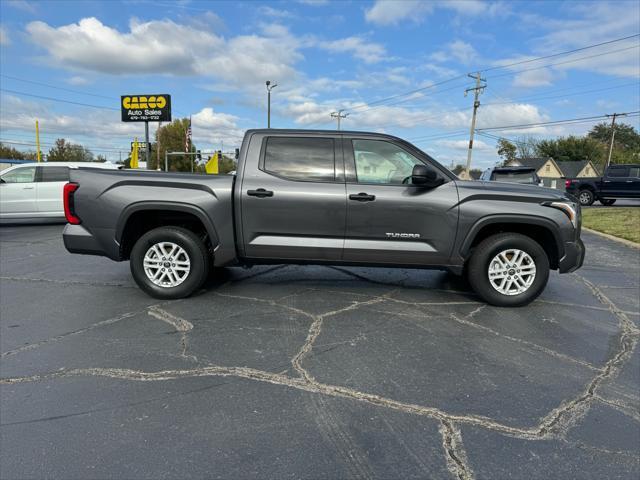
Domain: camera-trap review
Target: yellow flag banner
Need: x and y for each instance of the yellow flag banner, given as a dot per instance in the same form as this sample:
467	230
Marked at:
134	154
212	165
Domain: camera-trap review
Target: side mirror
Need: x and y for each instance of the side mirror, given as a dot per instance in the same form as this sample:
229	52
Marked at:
425	176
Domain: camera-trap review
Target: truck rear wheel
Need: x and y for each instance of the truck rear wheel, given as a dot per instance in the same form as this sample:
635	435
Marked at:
586	197
169	262
508	270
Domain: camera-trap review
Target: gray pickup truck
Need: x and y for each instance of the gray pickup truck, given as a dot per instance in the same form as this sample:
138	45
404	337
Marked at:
324	197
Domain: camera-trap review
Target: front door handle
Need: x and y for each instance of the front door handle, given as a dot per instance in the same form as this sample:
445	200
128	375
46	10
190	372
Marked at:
28	188
260	193
362	197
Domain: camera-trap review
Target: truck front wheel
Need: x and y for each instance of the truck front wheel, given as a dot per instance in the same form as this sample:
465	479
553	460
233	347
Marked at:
508	270
586	197
169	262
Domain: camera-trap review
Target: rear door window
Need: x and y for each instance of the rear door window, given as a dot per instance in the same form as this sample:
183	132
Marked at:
54	174
618	172
301	159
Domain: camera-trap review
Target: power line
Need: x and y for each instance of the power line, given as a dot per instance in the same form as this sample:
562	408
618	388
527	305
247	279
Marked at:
554	122
565	62
58	100
56	87
537	98
566	52
451	79
47	144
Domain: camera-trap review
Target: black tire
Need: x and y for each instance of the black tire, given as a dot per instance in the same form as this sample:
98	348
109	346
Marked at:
193	246
586	197
478	269
607	201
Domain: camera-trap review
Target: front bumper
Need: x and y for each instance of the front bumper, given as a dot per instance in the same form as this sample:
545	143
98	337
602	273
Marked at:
573	256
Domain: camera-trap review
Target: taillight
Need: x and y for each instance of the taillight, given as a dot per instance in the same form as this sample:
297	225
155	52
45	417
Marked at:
69	207
567	183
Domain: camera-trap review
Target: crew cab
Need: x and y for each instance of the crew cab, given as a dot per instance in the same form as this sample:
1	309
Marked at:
619	181
324	197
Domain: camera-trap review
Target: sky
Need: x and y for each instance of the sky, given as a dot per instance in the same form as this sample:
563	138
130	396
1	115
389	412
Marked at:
394	66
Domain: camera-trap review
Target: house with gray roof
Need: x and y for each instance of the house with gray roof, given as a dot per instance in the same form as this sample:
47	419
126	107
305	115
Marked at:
554	173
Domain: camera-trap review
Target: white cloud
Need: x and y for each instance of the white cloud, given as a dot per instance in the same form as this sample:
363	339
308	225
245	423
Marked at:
267	11
212	128
588	24
392	12
4	37
369	52
166	47
22	5
78	80
209	127
534	78
463	144
458	50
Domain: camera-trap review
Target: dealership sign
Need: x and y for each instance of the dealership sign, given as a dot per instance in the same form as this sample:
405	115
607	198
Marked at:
145	108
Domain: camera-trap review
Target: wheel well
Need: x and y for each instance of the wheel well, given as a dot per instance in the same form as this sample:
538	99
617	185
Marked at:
540	234
142	221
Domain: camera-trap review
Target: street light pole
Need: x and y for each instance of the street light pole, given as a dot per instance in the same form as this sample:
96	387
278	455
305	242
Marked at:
269	88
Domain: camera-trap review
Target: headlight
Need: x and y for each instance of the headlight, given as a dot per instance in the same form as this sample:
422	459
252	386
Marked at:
570	209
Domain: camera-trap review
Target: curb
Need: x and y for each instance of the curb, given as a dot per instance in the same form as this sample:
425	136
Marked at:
628	243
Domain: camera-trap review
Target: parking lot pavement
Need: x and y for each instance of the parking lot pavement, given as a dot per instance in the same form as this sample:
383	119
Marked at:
314	372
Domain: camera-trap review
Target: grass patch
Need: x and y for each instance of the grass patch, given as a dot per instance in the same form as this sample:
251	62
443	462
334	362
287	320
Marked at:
623	222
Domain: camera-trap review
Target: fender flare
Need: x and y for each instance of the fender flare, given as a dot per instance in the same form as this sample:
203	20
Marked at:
511	218
173	206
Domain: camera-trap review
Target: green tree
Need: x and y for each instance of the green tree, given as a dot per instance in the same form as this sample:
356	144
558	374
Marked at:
571	148
506	150
64	151
14	154
171	138
526	146
626	145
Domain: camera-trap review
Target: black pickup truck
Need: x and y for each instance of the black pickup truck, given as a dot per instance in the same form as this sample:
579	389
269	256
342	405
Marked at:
324	197
619	181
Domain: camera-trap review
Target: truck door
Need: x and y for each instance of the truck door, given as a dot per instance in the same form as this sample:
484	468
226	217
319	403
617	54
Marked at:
616	181
634	184
293	197
391	222
18	193
50	182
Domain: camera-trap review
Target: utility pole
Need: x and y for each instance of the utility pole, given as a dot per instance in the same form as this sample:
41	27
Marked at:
37	141
339	115
613	135
477	90
157	147
269	88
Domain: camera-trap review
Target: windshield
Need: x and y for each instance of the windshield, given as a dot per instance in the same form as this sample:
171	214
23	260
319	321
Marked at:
515	177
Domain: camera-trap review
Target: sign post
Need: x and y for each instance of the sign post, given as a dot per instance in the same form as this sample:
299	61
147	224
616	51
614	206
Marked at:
146	108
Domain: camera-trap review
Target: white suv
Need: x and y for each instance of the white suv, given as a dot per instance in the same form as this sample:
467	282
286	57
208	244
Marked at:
33	191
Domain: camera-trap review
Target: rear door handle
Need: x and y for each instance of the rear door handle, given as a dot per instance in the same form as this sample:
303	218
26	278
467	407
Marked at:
28	188
362	197
260	193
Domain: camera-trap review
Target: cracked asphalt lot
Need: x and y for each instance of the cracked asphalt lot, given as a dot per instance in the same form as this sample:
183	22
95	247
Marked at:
314	372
